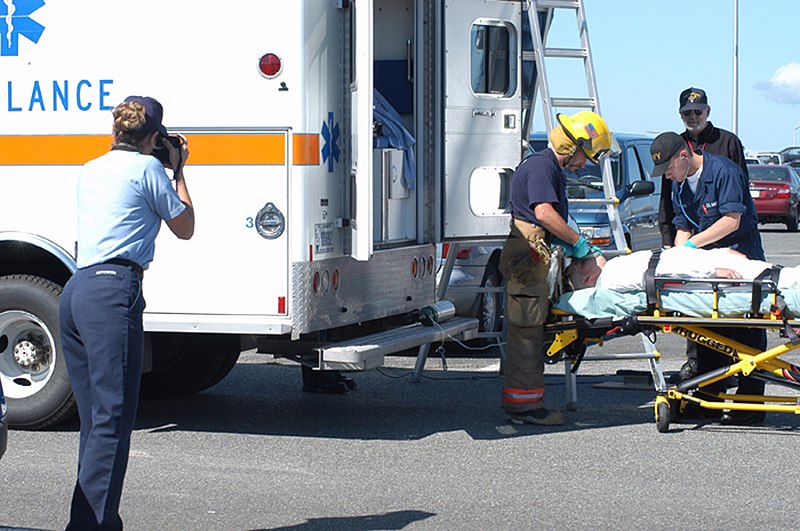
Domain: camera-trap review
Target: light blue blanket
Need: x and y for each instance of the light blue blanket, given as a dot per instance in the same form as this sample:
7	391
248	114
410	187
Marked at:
601	302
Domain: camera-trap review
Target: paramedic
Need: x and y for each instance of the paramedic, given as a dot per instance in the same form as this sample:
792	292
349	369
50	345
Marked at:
539	214
699	134
713	208
122	198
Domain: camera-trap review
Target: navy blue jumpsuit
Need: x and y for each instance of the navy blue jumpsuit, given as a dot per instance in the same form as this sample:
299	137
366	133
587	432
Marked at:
721	189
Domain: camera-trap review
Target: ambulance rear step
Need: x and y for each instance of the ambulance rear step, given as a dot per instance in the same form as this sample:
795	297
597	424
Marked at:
368	352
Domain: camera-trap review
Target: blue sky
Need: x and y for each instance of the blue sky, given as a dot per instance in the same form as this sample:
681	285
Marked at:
645	53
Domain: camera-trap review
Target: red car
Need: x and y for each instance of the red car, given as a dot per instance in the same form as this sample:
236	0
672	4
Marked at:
776	193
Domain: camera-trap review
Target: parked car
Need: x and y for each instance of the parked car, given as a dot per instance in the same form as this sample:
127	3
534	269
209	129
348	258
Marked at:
638	193
776	193
3	423
791	156
770	158
751	160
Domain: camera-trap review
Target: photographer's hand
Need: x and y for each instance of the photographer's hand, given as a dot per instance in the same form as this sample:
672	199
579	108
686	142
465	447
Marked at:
183	225
177	157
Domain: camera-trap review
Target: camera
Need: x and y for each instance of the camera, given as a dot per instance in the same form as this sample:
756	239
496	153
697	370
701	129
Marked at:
160	151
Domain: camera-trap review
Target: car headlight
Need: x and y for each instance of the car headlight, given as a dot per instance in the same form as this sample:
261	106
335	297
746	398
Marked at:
597	235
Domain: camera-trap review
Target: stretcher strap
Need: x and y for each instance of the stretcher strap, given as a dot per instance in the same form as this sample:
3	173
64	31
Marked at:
770	275
650	281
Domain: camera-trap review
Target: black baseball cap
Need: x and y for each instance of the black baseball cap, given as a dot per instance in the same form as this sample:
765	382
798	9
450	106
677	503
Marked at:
663	148
153	112
692	98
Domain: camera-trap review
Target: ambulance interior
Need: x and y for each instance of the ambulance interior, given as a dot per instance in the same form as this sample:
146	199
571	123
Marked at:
394	160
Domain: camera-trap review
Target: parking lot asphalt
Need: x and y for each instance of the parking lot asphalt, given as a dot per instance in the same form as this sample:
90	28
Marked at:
255	452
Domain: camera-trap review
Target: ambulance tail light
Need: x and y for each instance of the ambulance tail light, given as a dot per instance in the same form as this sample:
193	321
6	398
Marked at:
270	65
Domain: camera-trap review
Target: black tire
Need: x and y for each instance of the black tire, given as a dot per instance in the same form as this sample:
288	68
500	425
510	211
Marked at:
662	417
185	364
791	223
490	305
32	368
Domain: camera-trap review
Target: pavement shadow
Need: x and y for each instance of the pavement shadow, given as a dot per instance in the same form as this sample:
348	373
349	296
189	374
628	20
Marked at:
373	522
266	399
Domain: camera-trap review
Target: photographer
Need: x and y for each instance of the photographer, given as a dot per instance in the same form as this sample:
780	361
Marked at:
122	198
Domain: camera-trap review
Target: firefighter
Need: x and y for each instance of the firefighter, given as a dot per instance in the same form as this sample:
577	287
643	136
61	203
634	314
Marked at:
539	215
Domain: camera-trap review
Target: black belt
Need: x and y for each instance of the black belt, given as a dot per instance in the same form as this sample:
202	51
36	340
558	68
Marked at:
127	263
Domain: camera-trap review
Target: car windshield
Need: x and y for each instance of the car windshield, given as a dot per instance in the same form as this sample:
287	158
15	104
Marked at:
768	174
586	183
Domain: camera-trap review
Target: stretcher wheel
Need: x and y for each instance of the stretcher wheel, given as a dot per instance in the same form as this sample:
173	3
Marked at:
662	416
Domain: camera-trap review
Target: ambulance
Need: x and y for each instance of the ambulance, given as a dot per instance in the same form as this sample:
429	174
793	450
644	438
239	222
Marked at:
333	144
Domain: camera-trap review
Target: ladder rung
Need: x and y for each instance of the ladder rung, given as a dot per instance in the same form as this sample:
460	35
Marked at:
528	55
589	103
611	201
555	4
572	53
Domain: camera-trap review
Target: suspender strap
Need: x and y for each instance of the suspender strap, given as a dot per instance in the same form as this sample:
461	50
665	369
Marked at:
650	288
770	274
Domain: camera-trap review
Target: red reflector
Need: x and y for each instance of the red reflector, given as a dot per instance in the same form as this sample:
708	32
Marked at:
463	252
282	305
270	65
315	284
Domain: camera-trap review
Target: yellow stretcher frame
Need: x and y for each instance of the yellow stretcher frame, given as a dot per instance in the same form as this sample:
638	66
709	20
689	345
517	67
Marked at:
571	336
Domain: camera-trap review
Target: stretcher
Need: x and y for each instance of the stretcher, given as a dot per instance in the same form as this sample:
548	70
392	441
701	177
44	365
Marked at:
689	307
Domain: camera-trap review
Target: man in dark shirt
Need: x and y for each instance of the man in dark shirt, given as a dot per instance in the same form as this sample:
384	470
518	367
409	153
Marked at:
701	135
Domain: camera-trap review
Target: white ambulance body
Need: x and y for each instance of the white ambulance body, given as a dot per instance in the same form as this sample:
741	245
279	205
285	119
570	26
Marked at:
308	224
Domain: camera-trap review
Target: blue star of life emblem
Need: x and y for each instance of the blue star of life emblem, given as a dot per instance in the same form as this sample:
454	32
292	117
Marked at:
15	20
330	133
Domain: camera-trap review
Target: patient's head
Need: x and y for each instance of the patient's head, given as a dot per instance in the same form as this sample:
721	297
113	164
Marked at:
583	272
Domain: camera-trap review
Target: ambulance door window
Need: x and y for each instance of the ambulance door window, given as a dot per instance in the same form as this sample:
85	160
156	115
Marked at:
490	68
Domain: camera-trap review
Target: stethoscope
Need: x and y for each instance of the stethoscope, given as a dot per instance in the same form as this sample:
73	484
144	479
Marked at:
680	203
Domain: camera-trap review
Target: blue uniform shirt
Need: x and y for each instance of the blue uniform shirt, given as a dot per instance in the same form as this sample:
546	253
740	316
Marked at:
721	189
538	179
122	198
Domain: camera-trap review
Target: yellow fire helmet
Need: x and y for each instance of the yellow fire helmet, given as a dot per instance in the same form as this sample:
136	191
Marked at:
585	130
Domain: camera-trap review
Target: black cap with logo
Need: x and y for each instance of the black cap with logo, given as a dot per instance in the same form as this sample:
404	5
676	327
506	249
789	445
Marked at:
663	148
691	99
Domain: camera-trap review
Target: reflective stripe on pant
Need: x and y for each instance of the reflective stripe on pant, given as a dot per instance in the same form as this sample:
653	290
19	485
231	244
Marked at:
103	341
523	372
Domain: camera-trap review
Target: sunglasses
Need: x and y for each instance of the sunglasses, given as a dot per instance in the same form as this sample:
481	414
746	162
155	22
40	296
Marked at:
697	112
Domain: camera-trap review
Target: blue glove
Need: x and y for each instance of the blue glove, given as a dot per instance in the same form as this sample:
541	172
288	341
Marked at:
688	243
568	250
581	248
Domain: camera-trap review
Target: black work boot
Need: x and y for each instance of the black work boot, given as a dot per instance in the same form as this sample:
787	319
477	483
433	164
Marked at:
687	372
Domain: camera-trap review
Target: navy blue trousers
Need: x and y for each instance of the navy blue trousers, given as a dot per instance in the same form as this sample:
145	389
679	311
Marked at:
103	342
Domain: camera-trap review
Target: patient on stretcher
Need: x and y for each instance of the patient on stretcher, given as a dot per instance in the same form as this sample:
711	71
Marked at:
626	273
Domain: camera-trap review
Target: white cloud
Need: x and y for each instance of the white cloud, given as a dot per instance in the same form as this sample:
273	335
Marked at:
784	85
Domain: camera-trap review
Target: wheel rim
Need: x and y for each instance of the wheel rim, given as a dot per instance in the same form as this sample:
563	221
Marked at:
488	308
27	354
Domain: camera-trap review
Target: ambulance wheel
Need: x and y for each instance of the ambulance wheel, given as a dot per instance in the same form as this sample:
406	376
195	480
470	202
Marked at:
662	416
32	369
185	364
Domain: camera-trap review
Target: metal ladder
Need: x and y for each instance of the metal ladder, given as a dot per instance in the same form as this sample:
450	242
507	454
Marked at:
540	15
